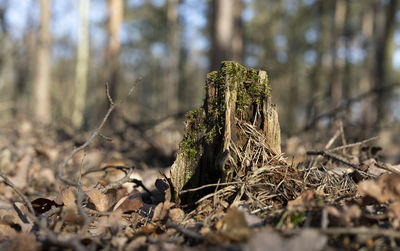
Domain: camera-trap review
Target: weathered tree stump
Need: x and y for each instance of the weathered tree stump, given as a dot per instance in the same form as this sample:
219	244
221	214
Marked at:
237	116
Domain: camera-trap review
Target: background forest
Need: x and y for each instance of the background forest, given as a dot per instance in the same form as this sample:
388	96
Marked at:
327	60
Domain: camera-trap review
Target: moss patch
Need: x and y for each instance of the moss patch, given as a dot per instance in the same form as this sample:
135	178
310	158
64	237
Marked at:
204	127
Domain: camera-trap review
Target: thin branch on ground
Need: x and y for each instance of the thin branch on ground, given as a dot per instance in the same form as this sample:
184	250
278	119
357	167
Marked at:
330	155
353	144
388	167
79	200
210	185
124	169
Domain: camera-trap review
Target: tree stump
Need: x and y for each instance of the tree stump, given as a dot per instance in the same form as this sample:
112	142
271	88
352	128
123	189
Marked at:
223	138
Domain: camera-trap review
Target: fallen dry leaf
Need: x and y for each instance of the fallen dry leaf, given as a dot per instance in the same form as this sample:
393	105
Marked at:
383	189
303	198
176	215
99	200
129	203
67	197
161	210
233	226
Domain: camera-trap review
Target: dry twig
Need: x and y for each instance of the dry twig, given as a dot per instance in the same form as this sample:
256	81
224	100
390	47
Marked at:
95	133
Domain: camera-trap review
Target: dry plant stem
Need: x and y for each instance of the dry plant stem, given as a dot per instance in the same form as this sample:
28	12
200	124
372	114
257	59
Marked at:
333	139
391	168
79	200
78	149
334	157
52	211
93	135
353	144
209	185
122	168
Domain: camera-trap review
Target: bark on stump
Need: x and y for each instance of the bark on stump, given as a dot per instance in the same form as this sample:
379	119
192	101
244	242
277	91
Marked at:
215	140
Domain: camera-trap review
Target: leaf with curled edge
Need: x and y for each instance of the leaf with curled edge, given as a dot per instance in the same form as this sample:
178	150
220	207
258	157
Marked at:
129	203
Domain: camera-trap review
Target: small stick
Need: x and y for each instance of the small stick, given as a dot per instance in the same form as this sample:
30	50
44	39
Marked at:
334	157
353	144
122	168
391	168
210	185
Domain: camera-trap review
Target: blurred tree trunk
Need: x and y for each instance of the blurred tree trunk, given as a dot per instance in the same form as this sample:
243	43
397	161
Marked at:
114	23
384	31
336	86
347	68
25	58
115	8
238	30
171	89
318	74
221	32
367	76
42	111
82	65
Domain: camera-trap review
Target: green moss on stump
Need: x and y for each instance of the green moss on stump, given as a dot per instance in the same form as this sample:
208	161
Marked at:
198	158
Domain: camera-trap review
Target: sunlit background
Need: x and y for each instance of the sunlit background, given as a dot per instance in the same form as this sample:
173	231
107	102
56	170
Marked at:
328	61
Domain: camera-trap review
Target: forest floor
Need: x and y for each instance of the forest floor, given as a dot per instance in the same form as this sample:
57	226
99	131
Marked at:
114	194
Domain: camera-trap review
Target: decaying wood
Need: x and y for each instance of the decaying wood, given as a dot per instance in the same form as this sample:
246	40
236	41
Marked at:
237	115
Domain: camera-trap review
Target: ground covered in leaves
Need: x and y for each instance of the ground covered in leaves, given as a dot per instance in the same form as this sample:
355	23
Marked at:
115	194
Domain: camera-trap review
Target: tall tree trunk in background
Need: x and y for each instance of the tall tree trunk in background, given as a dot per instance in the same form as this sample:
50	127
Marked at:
82	65
318	74
221	32
367	76
171	88
384	30
293	34
336	86
115	18
237	40
42	111
347	68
